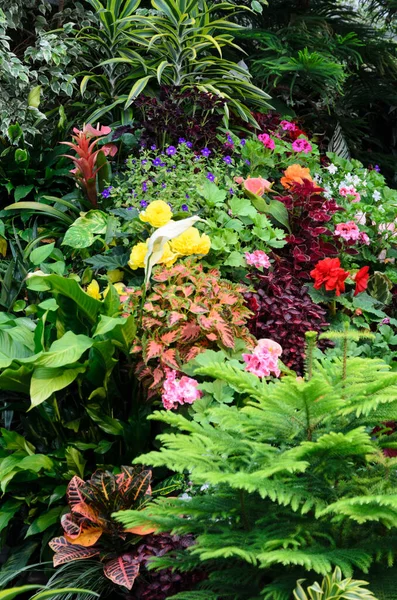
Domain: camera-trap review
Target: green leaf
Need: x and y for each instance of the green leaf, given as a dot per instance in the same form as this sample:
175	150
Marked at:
14	441
111	305
107	324
235	259
34	97
38	206
8	509
242	207
107	424
16	380
69	288
124	334
40	254
21	191
46	381
212	194
137	89
16	591
78	237
75	461
94	221
105	171
44	521
65	351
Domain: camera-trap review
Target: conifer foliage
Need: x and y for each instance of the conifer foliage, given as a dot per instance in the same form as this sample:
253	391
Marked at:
291	479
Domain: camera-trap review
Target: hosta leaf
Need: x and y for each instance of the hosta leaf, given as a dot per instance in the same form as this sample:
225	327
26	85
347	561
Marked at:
122	570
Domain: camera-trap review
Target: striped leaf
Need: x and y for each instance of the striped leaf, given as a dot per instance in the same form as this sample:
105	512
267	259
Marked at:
66	552
122	570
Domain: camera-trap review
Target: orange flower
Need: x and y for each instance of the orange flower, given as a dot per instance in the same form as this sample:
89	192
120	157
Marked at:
295	174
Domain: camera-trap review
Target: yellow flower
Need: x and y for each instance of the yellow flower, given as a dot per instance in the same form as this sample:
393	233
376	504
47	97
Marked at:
169	257
93	290
190	242
115	275
157	214
120	287
137	256
204	246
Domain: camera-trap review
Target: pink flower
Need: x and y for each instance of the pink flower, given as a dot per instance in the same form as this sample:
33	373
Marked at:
257	259
266	141
302	145
350	191
287	126
239	180
179	391
363	238
257	185
348	231
109	149
360	218
264	359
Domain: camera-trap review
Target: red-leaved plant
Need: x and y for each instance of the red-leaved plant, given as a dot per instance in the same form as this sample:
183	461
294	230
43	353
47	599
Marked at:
89	529
87	152
189	310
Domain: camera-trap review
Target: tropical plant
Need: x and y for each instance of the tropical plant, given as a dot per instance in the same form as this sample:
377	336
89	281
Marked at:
290	480
333	587
174	46
188	310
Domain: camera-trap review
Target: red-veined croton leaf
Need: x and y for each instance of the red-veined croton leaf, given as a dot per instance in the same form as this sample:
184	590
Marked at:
66	552
122	570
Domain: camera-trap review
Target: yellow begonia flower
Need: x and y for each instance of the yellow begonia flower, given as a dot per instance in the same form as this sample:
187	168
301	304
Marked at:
137	256
157	214
169	257
93	290
120	288
115	275
190	242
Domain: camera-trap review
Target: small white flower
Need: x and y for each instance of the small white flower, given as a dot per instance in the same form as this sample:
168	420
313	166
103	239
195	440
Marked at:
381	209
356	180
317	179
332	169
376	196
364	183
185	497
204	487
349	177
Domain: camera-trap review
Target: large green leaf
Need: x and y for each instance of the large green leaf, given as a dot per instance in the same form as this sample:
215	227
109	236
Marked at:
45	520
68	288
16	380
50	593
8	510
37	206
107	324
78	237
10	349
65	351
46	381
40	254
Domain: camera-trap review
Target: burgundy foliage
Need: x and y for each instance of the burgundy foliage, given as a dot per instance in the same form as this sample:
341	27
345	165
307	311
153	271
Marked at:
159	585
309	212
284	312
190	114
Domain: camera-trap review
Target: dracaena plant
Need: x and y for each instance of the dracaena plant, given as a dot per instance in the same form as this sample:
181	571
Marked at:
90	530
187	311
334	587
90	159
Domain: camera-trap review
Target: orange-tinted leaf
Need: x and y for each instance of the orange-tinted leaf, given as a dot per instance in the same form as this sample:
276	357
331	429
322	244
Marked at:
169	337
197	309
152	350
212	337
142	530
225	332
193	352
175	317
122	570
74	494
66	552
88	537
190	331
86	511
226	298
169	358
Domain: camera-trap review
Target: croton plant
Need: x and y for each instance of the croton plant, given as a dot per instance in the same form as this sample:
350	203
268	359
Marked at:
91	532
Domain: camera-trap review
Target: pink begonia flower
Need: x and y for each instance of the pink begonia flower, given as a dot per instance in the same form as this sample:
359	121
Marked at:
264	359
257	259
302	145
360	218
363	238
109	149
348	231
257	185
239	180
266	141
179	391
287	126
350	191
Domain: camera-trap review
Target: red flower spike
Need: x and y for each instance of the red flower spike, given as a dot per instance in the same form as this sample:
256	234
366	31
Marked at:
361	279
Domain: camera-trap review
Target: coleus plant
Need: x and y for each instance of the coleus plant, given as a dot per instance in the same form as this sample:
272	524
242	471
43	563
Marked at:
188	310
89	529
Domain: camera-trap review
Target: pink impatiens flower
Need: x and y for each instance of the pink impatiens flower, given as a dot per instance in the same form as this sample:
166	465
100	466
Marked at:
264	359
266	141
302	145
179	391
348	231
257	259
